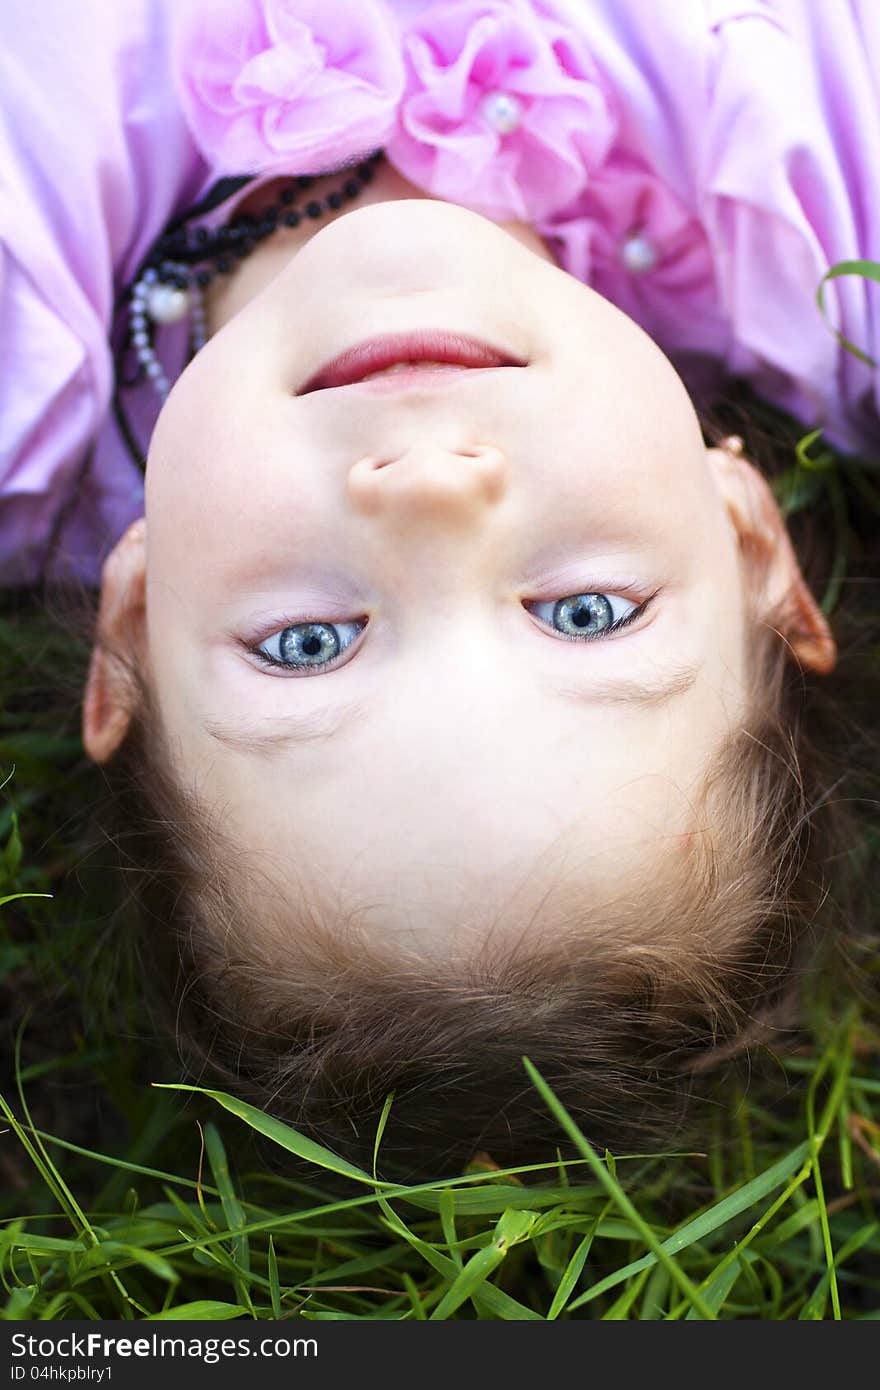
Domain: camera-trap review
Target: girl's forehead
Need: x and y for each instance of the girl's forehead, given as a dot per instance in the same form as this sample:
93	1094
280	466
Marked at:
445	854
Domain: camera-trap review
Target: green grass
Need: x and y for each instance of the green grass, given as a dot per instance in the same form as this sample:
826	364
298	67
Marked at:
121	1198
779	1222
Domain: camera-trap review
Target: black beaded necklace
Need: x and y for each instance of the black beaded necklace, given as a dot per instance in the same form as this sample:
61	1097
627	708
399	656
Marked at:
182	264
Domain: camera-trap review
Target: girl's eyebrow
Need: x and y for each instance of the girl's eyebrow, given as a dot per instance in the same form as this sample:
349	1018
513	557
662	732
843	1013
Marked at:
321	724
317	725
655	689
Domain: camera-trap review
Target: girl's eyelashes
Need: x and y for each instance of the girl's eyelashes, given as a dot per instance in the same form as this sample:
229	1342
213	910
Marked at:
588	615
308	647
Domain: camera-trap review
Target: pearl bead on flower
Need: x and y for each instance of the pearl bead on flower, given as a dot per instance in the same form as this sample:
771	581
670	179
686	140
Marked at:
638	253
503	111
166	303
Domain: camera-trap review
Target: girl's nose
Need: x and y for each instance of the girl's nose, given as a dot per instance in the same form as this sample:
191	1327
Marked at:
430	483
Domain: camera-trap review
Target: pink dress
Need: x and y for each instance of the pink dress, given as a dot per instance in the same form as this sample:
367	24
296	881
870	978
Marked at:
702	164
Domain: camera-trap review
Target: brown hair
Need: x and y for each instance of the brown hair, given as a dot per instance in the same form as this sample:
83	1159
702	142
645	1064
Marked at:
622	1015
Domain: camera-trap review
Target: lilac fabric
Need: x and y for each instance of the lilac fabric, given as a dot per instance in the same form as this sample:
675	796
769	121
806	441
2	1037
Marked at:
270	85
458	58
702	164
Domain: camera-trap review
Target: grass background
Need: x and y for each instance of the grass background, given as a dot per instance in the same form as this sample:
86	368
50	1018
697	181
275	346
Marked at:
121	1198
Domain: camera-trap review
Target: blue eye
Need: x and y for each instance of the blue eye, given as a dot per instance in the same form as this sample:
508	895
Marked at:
311	647
590	615
307	646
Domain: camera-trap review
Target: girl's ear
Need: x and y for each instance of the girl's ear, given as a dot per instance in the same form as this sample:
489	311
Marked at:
765	543
108	699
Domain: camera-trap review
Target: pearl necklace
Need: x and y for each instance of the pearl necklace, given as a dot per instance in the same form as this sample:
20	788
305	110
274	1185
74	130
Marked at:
172	281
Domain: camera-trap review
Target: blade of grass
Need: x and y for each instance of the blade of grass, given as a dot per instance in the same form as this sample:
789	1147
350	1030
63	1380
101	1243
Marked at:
380	1130
123	1164
232	1209
202	1310
487	1299
817	1139
716	1216
470	1279
278	1132
447	1225
718	1289
870	270
654	1301
622	1306
274	1282
415	1297
573	1271
811	1147
615	1191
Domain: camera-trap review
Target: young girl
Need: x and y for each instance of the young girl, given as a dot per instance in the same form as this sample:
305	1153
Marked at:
450	687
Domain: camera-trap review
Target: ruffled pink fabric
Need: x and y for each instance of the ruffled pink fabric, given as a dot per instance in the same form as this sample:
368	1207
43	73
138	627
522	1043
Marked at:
675	297
288	84
458	56
762	117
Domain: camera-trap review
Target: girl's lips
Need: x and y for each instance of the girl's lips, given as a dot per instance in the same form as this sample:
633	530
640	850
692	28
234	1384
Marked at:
430	346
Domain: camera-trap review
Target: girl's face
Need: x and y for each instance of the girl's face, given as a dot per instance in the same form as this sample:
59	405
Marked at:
475	747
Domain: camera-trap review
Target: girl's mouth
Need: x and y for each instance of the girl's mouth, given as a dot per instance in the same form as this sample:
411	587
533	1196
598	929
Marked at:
401	357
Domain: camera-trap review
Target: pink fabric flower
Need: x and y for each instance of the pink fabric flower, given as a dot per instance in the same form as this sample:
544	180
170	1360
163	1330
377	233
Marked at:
292	85
505	111
633	240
